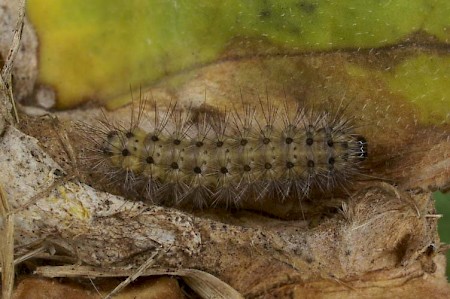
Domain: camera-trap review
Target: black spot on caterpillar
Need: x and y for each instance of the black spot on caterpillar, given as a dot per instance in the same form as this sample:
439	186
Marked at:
179	155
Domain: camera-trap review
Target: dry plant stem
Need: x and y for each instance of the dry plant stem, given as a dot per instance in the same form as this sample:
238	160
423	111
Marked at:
205	284
7	219
5	75
6	246
29	255
150	261
6	71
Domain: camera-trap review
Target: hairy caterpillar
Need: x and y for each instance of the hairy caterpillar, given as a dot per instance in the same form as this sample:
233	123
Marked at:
180	155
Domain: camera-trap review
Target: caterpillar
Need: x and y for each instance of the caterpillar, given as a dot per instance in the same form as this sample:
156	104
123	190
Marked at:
181	155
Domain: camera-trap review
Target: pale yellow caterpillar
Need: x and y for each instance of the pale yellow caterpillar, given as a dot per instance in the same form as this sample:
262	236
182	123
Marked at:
224	158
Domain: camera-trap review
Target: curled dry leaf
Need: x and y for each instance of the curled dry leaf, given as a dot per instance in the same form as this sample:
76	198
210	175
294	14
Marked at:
384	235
